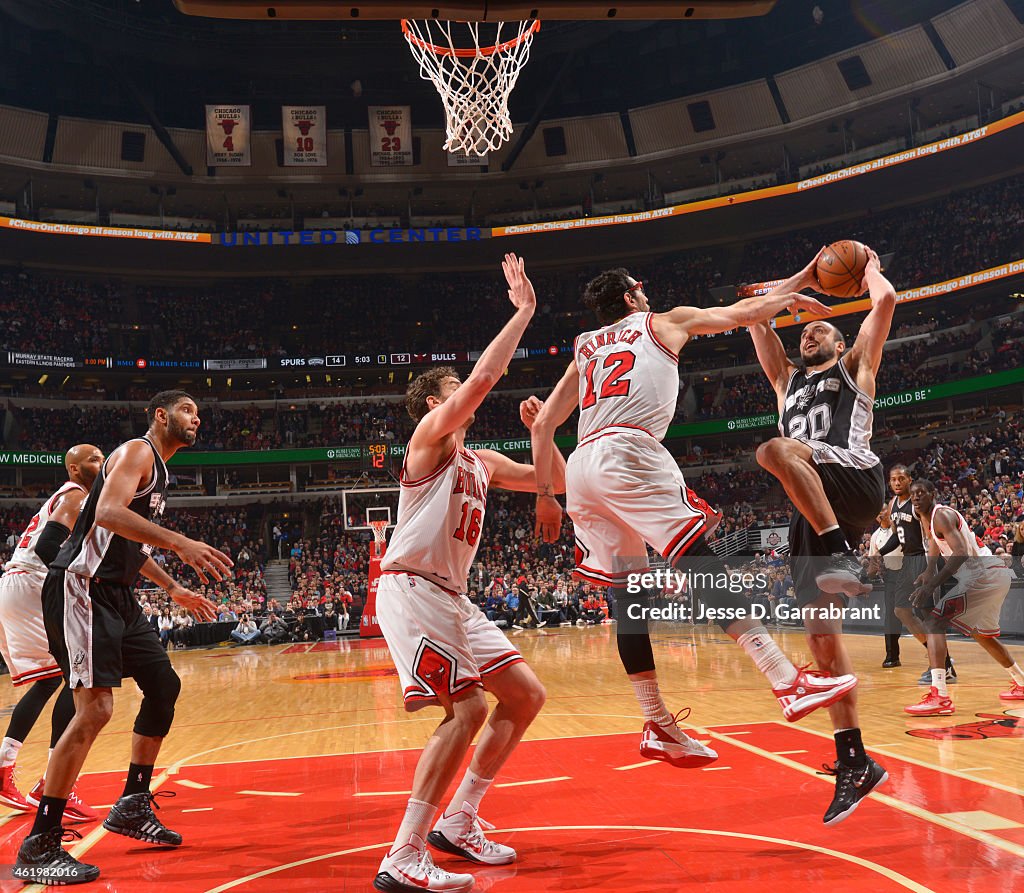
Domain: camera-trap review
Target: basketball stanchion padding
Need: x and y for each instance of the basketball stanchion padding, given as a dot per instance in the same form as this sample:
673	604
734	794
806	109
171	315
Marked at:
368	625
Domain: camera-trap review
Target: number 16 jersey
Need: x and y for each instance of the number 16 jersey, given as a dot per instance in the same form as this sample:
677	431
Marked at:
628	378
440	517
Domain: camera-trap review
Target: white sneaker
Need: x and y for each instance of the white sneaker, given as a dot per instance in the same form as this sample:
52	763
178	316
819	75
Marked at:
410	870
462	834
542	624
672	745
581	622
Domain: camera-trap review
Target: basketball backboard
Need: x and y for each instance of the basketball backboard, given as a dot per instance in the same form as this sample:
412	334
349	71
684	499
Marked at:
475	10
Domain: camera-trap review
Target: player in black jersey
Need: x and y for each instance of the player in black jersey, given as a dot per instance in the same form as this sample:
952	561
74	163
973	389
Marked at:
824	461
97	634
908	537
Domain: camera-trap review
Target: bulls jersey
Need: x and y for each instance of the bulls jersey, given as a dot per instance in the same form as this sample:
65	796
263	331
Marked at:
628	378
439	521
981	564
907	526
25	558
94	551
827	408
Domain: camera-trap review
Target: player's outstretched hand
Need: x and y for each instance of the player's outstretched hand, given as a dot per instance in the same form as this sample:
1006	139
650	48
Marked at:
923	596
202	608
520	289
205	560
528	410
808	277
874	265
549	519
805	304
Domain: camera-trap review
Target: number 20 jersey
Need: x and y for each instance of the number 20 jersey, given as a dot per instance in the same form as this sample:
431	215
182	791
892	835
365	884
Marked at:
440	517
628	378
827	410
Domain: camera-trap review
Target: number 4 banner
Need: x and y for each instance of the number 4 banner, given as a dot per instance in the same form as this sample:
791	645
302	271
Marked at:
227	135
305	135
390	135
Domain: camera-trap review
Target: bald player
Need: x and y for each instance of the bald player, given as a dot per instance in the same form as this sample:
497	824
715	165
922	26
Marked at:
23	636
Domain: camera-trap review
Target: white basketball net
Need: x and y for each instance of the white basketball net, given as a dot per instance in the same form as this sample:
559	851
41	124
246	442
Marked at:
474	80
380	530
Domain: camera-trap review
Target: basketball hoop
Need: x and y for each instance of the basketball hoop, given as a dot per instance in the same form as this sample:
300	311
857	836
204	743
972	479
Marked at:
380	530
474	81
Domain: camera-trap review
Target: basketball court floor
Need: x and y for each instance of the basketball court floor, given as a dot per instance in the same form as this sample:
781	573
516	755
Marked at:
290	767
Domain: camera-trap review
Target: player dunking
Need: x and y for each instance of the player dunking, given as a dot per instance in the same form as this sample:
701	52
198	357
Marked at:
972	606
446	651
98	634
625	492
23	636
824	461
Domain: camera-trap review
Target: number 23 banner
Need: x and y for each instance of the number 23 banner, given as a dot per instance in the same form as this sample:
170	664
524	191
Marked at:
390	135
227	135
305	135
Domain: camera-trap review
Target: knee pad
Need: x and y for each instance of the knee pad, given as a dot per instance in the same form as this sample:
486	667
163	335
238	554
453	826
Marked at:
160	688
632	635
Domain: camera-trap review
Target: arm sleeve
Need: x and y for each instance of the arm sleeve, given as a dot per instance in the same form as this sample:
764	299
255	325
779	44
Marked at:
50	540
891	545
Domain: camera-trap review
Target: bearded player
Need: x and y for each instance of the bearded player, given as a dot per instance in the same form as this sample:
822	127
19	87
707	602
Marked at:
625	492
446	651
824	461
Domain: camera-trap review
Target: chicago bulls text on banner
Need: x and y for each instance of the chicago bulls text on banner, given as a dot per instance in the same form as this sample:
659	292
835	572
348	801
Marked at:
227	135
304	128
390	135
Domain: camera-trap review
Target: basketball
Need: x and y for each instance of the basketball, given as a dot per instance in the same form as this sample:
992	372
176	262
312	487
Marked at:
840	269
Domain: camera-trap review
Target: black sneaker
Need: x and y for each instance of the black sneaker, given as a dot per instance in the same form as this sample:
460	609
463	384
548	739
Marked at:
133	817
840	574
852	786
42	860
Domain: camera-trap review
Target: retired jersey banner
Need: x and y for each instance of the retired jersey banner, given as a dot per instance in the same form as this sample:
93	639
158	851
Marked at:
305	135
390	135
227	136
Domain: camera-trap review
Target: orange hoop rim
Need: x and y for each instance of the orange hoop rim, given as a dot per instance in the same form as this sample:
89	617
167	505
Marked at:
380	530
469	53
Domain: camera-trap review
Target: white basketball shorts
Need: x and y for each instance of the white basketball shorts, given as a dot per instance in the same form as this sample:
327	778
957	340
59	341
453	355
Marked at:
973	606
623	493
22	634
439	640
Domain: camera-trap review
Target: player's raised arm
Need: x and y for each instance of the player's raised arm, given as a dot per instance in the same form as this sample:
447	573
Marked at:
678	325
865	356
459	408
556	409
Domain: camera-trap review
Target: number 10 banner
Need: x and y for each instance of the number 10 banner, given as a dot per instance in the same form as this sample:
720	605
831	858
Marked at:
305	135
390	135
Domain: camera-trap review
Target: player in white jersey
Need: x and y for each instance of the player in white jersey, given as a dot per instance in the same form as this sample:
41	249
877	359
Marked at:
446	651
972	606
624	492
23	636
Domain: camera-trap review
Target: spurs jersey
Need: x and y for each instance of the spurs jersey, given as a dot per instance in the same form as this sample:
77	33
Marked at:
628	378
439	521
25	558
907	525
93	551
829	412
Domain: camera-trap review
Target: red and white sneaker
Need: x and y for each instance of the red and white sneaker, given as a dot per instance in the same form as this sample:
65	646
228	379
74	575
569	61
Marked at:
809	691
1016	693
672	745
10	796
75	812
932	704
462	834
411	870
